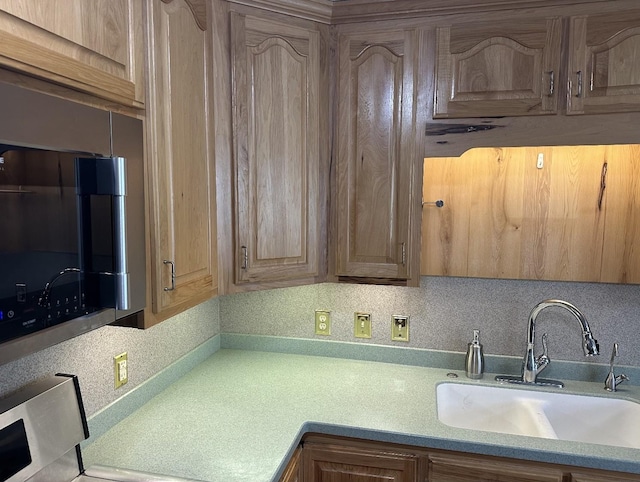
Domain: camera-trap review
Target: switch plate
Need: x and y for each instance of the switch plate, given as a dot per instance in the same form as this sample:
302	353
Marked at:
121	370
399	328
323	322
362	325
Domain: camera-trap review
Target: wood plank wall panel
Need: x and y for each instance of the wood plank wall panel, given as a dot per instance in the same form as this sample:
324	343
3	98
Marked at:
507	217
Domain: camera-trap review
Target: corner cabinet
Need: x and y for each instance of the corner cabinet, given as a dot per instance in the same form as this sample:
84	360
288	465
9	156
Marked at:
498	68
181	173
94	47
279	117
379	159
604	72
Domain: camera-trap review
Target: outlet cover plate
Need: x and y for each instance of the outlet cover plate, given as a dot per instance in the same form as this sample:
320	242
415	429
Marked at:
399	328
121	369
362	325
323	322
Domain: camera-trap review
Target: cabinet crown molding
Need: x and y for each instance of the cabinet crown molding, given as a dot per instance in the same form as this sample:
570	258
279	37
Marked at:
349	11
198	9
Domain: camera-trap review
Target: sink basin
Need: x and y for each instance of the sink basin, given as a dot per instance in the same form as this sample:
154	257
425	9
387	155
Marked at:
552	415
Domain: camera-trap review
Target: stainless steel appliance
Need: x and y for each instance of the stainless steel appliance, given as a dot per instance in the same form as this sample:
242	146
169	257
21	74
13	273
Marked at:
71	220
41	427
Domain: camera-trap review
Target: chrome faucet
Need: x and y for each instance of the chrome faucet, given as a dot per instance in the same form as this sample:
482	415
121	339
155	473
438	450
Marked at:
532	365
612	381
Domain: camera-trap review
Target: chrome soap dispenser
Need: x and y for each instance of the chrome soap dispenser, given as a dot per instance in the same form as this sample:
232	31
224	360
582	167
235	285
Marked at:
474	362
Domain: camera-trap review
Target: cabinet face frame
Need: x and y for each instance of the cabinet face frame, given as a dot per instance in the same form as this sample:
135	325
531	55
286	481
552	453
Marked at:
377	154
276	136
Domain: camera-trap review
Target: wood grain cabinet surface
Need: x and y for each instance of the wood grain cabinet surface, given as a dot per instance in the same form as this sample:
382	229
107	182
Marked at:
293	471
181	172
344	463
278	91
328	458
493	68
517	67
95	46
547	213
377	154
604	63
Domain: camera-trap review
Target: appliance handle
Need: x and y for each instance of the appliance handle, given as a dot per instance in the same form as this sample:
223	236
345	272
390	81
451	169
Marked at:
121	270
108	176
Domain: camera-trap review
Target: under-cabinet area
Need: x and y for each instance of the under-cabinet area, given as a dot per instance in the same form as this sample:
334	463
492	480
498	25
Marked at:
564	213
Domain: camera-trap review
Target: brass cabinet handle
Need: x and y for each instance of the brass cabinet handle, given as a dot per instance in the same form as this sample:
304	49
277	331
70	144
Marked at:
173	275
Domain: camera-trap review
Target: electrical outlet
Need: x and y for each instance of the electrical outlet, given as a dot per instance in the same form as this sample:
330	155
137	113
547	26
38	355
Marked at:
362	325
399	328
323	322
121	369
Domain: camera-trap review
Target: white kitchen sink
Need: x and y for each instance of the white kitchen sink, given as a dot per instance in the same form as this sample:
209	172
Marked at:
552	415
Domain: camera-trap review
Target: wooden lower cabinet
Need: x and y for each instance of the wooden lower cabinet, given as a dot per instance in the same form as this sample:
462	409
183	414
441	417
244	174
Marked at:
337	459
329	462
463	468
292	473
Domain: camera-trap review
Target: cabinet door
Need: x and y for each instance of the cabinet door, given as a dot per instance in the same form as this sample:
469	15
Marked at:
94	47
463	468
181	170
498	68
602	476
276	108
604	72
346	464
377	153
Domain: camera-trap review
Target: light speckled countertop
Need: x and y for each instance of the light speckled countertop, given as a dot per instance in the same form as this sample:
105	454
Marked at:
237	417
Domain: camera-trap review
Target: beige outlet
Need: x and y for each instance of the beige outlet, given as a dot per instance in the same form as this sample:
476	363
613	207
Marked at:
362	325
323	322
121	370
399	328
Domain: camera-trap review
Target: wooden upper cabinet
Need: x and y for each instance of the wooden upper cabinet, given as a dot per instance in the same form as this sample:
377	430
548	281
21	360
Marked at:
377	140
94	46
181	169
277	100
502	68
604	63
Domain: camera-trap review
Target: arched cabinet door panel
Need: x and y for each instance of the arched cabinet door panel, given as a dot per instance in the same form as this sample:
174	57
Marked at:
276	133
502	68
182	218
377	154
604	59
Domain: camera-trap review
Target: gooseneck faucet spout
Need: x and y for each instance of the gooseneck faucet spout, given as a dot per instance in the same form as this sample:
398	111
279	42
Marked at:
532	365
